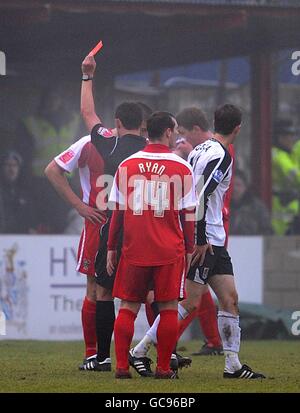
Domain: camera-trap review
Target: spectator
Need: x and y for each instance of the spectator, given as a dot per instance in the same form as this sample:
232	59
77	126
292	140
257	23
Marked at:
39	138
52	129
285	177
249	215
296	148
16	204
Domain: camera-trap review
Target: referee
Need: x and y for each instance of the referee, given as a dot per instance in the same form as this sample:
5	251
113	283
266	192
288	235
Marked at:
113	149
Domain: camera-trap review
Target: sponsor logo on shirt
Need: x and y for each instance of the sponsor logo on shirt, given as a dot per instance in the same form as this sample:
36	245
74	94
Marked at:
67	156
218	176
106	133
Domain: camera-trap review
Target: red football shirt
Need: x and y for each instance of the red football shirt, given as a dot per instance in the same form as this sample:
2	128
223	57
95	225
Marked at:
152	187
83	155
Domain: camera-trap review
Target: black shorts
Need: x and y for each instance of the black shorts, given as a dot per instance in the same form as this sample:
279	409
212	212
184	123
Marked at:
219	263
102	277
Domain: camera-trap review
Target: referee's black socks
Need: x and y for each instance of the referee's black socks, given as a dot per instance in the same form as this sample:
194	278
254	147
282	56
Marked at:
105	319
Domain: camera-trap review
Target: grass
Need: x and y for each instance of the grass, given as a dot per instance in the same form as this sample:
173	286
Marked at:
34	366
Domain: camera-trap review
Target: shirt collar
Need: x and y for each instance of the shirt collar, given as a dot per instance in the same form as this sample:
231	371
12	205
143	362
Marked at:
157	147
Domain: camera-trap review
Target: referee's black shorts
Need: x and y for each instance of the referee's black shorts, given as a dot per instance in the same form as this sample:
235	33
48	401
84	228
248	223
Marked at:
102	277
219	263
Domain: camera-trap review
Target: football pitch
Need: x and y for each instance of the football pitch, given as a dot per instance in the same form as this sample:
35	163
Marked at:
35	366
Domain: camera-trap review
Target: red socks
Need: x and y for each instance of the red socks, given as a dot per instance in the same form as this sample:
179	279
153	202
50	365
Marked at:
167	332
208	320
88	318
183	324
123	333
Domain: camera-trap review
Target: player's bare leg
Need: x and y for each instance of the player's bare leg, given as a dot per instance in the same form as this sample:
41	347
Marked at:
229	329
207	316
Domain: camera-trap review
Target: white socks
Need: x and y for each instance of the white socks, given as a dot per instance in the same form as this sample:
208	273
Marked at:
142	348
229	330
182	312
230	334
232	362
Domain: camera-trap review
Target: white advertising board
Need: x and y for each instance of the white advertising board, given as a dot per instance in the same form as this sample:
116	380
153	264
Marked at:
41	293
247	258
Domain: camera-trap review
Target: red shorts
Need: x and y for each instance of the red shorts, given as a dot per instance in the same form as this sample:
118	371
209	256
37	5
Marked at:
133	283
88	248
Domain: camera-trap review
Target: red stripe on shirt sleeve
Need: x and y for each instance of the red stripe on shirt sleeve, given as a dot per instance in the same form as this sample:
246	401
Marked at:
187	218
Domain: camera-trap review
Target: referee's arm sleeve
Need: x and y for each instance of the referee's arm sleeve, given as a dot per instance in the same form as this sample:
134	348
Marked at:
103	140
211	172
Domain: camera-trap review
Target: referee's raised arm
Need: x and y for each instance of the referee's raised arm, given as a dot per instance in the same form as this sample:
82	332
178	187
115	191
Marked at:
87	106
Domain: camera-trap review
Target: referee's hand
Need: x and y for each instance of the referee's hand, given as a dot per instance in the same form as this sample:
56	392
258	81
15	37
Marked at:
111	262
88	66
200	252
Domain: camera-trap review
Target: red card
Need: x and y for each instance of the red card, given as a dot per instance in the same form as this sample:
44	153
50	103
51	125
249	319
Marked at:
96	49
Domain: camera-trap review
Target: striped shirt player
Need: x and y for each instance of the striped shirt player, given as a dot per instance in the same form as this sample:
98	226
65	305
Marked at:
212	167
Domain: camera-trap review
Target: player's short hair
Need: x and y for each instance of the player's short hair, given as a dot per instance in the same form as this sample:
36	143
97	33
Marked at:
130	114
192	116
158	123
227	117
146	110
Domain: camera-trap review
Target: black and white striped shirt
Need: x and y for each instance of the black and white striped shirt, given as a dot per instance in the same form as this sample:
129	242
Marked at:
212	167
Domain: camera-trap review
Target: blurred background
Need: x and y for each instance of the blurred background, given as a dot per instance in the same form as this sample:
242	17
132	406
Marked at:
169	54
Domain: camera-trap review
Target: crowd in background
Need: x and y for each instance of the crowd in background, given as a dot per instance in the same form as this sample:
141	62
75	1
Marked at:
28	202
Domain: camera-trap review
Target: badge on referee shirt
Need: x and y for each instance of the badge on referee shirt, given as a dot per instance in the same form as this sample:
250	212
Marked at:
106	133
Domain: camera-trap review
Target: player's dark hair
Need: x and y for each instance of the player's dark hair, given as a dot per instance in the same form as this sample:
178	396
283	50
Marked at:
130	114
227	118
192	116
146	110
158	123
